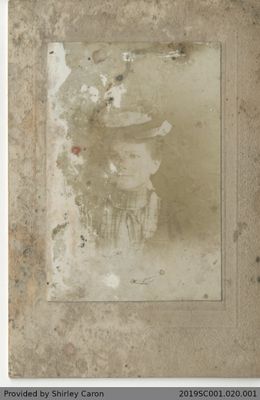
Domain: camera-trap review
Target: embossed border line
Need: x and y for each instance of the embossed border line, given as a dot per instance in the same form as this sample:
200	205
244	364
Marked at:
200	313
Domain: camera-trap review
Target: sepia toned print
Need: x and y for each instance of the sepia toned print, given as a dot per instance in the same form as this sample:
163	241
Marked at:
133	172
131	211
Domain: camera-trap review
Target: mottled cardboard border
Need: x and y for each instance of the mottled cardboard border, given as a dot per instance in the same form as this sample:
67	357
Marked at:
157	339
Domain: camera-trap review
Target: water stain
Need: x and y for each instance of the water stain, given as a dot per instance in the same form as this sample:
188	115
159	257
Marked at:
58	228
98	56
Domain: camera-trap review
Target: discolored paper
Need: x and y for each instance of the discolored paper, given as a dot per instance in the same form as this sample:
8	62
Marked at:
163	60
133	171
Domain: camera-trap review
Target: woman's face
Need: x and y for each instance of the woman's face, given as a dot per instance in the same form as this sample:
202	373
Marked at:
131	164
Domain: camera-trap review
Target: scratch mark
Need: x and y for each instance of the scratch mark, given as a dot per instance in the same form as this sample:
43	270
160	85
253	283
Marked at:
144	281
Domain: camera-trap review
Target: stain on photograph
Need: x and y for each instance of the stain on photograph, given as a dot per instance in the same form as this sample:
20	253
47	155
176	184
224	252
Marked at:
133	172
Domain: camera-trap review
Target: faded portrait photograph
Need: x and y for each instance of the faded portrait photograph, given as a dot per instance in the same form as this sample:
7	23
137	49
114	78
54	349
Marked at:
133	171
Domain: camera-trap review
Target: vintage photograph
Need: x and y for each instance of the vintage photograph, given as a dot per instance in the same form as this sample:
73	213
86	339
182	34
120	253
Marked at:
133	172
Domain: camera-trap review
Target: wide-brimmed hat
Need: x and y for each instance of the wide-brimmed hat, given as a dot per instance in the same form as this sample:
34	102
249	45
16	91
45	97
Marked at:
133	125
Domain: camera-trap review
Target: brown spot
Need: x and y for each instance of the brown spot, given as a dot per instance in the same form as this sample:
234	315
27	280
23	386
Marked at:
242	107
257	259
205	296
241	226
76	150
59	330
69	349
162	272
120	77
198	124
51	52
258	279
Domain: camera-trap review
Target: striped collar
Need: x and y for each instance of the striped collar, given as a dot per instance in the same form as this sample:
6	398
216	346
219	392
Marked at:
131	200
